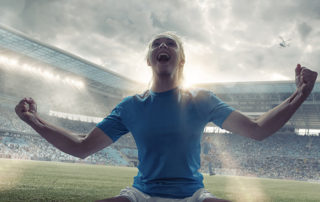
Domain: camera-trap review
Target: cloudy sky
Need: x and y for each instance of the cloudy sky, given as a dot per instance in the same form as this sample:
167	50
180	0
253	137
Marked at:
225	40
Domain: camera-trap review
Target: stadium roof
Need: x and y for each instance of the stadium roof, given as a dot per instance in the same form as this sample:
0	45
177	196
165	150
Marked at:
22	44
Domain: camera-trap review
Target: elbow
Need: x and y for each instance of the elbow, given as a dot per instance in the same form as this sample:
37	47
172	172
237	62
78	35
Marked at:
79	152
256	136
259	137
258	133
81	155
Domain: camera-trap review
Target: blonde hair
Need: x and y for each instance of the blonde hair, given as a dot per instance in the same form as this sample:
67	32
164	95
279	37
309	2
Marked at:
182	56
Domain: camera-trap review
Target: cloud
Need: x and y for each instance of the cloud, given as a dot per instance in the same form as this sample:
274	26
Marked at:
224	39
304	30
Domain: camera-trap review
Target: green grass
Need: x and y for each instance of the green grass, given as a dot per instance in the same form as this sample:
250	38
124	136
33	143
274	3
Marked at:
53	181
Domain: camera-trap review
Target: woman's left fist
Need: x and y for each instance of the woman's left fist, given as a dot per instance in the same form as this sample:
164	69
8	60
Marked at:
305	79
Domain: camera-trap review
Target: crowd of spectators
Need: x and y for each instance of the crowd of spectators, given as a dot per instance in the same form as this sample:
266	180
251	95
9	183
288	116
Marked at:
283	155
16	145
10	121
20	141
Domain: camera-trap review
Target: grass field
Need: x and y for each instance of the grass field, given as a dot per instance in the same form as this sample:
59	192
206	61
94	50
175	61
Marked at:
53	181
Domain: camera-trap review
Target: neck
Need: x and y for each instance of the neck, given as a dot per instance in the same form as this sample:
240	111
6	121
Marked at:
164	84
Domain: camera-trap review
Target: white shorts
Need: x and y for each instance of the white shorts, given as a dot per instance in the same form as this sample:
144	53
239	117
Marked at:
134	195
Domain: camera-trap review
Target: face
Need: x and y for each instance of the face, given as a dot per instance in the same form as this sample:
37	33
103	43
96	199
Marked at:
164	55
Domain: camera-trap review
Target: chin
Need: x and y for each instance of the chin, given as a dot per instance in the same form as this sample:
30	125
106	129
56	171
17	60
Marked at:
165	69
164	73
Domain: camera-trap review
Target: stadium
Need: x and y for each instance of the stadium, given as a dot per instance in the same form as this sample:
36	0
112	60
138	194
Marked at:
76	94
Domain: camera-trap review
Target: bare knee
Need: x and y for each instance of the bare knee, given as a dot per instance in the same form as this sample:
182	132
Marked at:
115	199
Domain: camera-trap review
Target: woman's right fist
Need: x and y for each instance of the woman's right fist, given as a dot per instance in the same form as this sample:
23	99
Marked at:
26	109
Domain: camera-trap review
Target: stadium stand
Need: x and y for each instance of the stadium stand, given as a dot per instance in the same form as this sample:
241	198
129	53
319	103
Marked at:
284	155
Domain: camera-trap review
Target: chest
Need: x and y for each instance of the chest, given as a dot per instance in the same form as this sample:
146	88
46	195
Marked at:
166	119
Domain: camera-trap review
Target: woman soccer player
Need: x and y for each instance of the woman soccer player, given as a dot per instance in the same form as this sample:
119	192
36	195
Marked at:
167	122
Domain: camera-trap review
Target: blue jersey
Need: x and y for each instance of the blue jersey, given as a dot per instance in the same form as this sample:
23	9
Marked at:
167	128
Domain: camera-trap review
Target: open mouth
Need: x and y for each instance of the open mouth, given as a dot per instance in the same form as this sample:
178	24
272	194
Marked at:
163	57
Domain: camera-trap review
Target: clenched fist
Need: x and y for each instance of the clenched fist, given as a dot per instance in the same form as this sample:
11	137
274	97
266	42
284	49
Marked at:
305	79
26	109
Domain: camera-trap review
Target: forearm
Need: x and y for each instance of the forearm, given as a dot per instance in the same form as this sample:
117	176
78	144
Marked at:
64	140
274	119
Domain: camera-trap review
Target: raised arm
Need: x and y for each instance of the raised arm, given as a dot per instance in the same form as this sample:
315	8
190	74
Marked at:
68	142
273	120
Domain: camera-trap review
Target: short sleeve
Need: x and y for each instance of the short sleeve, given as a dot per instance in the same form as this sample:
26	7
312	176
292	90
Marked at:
211	108
218	110
113	125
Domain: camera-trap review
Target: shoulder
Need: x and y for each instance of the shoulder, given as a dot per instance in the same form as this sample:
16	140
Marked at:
198	93
126	102
134	99
204	98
